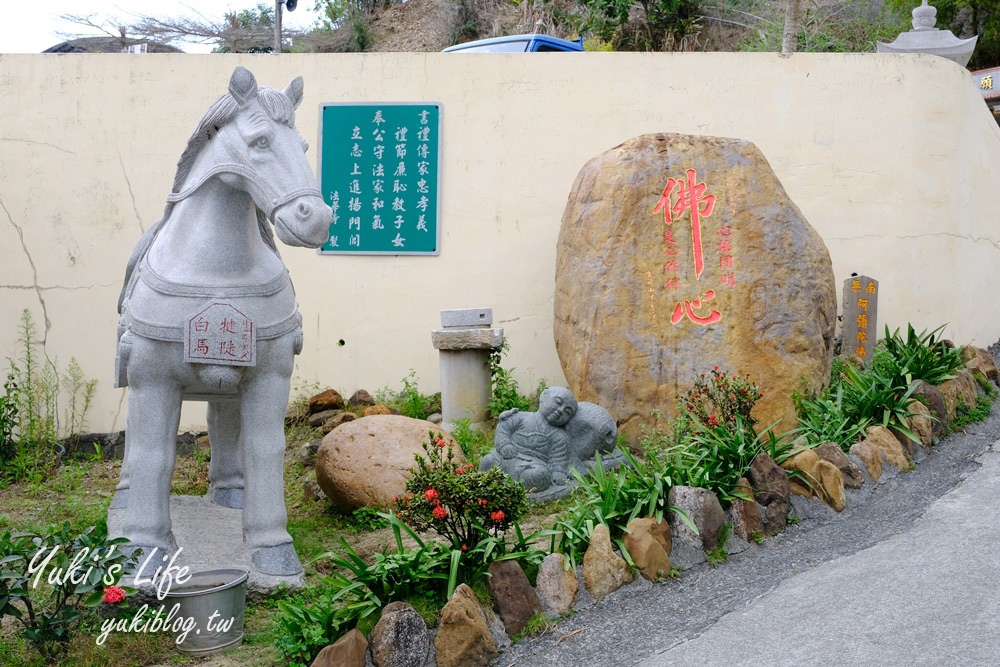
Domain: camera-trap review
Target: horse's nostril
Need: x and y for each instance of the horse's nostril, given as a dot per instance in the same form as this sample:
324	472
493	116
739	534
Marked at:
304	210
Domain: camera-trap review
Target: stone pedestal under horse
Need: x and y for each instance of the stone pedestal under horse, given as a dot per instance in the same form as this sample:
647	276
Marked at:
208	313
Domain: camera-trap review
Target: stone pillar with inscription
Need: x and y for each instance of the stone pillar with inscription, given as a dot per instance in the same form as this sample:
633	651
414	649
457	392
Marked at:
860	323
465	341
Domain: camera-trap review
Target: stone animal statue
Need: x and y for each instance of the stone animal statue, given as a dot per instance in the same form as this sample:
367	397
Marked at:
208	313
539	448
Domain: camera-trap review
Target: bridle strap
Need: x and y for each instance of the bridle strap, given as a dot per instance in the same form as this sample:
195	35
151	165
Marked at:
239	167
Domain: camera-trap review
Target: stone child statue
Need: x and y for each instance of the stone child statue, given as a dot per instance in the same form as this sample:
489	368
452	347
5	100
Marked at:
539	448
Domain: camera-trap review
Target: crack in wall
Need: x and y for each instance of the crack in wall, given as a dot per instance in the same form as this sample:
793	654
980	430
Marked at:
34	275
135	208
37	143
910	237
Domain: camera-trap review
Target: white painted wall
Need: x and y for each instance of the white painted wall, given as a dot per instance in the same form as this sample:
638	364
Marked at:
893	159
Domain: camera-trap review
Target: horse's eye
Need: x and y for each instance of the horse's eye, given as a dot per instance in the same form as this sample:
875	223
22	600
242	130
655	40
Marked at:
262	143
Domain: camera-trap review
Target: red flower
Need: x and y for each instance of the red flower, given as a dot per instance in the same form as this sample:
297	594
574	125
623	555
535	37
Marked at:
430	494
459	471
497	516
482	502
439	512
113	594
465	547
440	442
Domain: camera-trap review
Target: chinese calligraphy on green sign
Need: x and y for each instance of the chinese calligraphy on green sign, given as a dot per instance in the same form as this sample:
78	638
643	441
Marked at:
380	173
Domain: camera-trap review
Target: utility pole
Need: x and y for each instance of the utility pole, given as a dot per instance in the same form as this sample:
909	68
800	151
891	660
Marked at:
291	4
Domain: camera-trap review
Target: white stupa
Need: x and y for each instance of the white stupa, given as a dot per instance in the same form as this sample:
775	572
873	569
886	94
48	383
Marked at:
925	38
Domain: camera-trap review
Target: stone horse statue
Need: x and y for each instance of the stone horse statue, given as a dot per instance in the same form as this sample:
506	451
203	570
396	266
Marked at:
208	313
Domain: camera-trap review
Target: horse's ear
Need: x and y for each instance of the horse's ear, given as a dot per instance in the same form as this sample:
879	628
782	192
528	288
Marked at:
242	85
294	91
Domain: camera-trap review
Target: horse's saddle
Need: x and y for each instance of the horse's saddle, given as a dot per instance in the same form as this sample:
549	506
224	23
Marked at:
159	309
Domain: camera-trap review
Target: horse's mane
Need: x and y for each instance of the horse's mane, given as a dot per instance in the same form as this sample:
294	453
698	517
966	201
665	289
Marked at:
278	107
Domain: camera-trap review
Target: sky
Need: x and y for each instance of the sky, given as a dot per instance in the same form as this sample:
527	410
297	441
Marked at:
34	25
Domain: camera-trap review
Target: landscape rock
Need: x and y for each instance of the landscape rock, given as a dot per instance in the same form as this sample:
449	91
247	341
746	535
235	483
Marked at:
317	419
771	489
831	451
745	515
804	463
366	462
978	359
648	542
336	420
632	328
307	452
464	638
348	651
378	409
361	397
604	571
400	638
513	597
932	398
961	390
702	507
312	491
831	485
882	438
329	399
921	422
556	584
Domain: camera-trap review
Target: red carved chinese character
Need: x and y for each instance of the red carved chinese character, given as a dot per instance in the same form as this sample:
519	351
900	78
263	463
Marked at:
726	262
201	324
672	283
724	246
728	279
688	307
690	195
725	230
202	346
227	326
670	267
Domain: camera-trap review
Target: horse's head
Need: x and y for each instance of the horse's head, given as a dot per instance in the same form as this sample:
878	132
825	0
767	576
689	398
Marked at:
249	141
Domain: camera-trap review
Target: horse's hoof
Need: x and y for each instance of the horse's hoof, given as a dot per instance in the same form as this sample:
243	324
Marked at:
119	501
278	561
232	498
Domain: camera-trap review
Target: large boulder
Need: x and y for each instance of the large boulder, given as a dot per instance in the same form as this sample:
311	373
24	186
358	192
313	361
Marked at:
645	301
366	462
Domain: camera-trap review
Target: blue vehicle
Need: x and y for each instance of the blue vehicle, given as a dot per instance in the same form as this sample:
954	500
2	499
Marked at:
518	44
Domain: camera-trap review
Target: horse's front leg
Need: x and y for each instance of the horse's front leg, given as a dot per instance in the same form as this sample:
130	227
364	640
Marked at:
151	441
225	471
264	401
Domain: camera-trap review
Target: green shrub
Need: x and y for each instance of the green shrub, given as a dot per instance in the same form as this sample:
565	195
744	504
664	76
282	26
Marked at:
825	419
358	590
473	442
877	395
505	394
922	356
49	606
638	488
721	400
471	509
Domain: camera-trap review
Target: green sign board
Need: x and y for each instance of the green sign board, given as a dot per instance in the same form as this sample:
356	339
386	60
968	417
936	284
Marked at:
379	169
